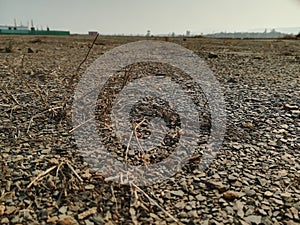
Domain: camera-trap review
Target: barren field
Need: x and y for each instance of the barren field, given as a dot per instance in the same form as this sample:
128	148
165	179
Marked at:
255	178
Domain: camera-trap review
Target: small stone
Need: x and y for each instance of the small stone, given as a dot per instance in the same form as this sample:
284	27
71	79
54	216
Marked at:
131	152
297	206
5	155
87	213
242	222
180	205
253	219
295	213
232	178
276	213
232	80
262	181
98	219
2	209
289	107
268	193
212	55
179	193
29	50
262	212
229	210
249	210
218	185
249	175
267	221
237	184
237	146
188	208
67	220
240	208
10	209
250	192
89	187
284	126
200	198
278	201
88	222
153	215
283	173
291	222
286	195
52	219
272	143
230	195
4	220
16	219
44	214
258	57
248	125
215	222
63	209
193	214
86	175
216	176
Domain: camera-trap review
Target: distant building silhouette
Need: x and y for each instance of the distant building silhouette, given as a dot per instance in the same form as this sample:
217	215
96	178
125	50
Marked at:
272	34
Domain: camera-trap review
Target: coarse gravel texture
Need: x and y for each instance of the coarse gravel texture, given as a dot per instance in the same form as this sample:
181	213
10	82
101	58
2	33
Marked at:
255	178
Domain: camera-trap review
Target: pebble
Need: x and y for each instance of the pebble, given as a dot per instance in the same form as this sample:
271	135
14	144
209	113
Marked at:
231	195
63	209
268	194
89	187
291	222
88	222
218	185
278	201
295	213
262	212
248	125
179	193
232	177
200	198
253	219
67	220
180	205
4	220
240	208
2	209
10	209
87	213
250	193
192	214
16	219
52	220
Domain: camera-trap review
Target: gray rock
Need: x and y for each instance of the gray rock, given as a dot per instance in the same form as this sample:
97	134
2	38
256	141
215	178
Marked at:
179	193
250	192
253	219
200	198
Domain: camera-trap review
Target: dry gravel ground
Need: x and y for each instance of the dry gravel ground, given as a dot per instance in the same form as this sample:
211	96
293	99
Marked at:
255	178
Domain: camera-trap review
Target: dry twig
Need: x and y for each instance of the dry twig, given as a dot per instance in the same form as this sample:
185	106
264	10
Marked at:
72	169
90	48
137	139
154	202
128	145
66	162
39	114
41	175
70	131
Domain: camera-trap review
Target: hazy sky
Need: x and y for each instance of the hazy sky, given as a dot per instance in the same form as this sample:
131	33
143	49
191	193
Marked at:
159	16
